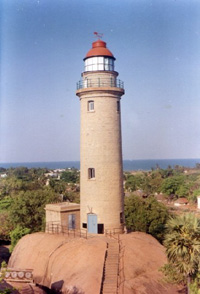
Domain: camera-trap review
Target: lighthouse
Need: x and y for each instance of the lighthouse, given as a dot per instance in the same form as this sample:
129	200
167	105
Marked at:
101	170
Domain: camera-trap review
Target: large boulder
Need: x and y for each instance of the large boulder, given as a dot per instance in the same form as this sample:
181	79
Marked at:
75	265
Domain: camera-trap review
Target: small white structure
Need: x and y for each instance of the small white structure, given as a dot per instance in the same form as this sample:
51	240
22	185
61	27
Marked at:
3	175
198	202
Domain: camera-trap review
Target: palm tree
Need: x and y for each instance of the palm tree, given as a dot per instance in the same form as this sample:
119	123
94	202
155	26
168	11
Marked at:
182	242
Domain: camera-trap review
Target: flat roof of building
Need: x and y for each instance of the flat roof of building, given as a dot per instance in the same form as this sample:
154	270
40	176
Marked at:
62	206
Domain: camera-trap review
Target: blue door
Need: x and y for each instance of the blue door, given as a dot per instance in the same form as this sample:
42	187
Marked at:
92	223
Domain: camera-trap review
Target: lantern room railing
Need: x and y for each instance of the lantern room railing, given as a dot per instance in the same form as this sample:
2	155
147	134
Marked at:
99	82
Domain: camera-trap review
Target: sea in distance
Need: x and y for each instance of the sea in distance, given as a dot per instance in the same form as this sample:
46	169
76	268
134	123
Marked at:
128	165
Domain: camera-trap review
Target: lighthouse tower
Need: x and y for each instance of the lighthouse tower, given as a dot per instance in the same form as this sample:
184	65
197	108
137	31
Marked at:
101	183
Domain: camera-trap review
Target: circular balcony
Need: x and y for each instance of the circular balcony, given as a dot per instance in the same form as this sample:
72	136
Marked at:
99	83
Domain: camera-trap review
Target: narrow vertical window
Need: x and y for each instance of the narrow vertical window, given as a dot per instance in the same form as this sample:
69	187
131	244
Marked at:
91	173
91	105
118	106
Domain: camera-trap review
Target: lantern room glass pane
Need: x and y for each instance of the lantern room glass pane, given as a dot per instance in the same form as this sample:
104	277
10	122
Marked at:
89	61
94	60
100	67
100	59
94	66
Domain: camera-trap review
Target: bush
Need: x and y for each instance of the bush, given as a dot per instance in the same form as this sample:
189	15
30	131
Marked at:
16	235
147	215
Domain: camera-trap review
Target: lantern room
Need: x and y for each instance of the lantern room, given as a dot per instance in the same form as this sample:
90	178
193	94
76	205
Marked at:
99	58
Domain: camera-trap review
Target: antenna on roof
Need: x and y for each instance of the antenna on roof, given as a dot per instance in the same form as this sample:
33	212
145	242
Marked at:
98	35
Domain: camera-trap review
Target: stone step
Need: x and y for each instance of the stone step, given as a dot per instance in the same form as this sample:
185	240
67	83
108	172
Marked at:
111	283
110	276
111	269
110	280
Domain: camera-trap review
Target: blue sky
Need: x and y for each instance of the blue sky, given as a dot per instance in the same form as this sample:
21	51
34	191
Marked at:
156	45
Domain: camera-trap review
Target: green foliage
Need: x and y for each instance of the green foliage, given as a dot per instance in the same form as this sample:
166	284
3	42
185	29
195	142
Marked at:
5	226
171	274
58	186
175	185
169	181
182	242
6	291
70	176
193	197
17	234
3	264
3	271
27	209
10	185
147	215
155	180
71	196
5	203
134	182
21	179
195	286
69	191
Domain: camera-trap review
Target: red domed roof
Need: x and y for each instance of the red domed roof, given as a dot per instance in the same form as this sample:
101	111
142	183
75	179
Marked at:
99	49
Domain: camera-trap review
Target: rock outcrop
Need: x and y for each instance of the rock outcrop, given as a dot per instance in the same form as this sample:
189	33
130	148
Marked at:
64	264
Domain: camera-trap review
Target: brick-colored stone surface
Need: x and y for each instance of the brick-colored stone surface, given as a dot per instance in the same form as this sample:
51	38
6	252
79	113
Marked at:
101	148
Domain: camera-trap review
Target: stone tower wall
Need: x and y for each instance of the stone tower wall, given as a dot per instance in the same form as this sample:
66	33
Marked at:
101	148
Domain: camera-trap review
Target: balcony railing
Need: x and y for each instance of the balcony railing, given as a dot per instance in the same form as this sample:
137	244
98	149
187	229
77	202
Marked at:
99	82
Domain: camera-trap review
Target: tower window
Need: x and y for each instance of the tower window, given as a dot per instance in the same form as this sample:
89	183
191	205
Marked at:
91	173
118	106
91	105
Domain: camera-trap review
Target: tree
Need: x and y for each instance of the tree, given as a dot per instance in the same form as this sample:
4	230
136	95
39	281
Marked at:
134	182
147	215
70	176
182	242
27	208
175	185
